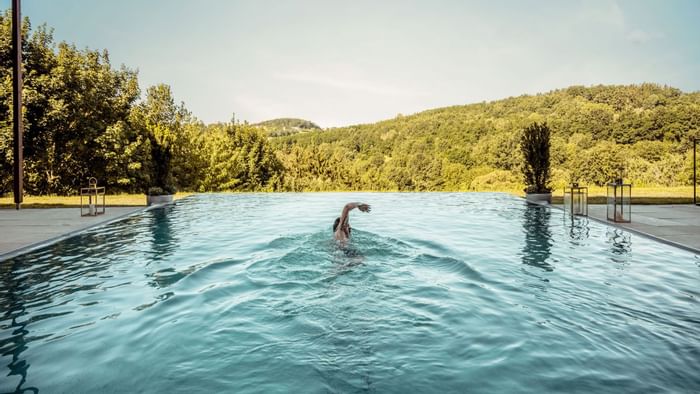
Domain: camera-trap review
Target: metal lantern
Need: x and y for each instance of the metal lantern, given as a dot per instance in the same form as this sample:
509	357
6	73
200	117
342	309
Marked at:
92	192
620	201
576	200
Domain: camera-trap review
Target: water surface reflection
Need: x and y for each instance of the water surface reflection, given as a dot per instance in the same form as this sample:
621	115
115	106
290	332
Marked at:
579	228
538	237
163	240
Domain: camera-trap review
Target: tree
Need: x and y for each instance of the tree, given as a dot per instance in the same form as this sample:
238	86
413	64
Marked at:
83	118
71	98
601	164
160	120
534	146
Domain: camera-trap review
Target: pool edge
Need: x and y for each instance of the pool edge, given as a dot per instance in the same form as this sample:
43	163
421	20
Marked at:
639	232
38	245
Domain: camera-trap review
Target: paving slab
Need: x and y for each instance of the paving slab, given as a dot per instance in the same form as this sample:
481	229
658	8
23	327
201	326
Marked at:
26	229
692	241
678	225
664	230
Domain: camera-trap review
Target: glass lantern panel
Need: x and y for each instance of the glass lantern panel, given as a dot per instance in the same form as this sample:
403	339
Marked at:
577	208
619	207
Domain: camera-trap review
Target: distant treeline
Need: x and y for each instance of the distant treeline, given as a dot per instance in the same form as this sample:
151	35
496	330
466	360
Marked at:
286	126
83	117
640	132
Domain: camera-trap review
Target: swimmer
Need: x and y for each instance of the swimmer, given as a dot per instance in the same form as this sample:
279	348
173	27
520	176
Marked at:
341	227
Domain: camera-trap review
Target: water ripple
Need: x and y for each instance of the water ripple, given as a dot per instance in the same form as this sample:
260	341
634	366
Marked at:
249	293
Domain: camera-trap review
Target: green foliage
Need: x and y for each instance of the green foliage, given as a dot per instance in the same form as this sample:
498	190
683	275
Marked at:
534	145
126	152
601	164
71	97
495	180
597	133
161	121
238	158
156	191
83	117
286	126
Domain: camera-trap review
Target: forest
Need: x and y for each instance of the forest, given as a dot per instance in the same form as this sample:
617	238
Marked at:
642	133
85	117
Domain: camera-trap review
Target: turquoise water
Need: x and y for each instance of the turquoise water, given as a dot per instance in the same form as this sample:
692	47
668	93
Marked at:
438	293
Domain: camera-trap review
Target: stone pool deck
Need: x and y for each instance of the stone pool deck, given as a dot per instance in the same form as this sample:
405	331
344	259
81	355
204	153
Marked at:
678	225
27	229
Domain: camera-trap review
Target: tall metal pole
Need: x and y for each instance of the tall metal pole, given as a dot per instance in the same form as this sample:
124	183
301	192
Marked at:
695	179
18	184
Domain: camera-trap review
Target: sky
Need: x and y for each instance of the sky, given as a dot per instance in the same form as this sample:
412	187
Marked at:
338	63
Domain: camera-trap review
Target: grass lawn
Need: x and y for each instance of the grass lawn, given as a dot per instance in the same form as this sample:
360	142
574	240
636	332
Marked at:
111	200
640	195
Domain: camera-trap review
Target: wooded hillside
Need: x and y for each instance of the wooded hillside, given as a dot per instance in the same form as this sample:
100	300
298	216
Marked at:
643	132
286	126
84	117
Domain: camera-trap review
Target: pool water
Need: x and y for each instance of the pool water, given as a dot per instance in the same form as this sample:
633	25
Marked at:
437	292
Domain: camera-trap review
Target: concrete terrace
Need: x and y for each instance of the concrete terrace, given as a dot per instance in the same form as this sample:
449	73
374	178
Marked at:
678	225
27	229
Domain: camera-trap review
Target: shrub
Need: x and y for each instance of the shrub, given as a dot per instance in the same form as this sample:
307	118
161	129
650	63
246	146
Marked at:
534	145
155	191
161	191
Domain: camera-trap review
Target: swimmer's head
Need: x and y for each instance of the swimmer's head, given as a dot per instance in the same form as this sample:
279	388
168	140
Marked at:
337	223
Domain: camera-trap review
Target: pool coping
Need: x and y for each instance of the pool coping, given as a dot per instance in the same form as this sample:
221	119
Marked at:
632	230
47	242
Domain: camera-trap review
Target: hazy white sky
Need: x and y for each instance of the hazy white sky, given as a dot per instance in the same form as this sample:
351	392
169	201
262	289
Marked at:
344	62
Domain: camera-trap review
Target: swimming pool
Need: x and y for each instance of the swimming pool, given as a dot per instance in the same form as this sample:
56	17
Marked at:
441	292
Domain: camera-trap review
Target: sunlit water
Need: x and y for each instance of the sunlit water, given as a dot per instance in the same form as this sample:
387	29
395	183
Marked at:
438	293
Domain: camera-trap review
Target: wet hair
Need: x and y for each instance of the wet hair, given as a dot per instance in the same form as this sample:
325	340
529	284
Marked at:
337	223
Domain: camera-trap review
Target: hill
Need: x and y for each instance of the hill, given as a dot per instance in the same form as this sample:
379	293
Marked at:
643	132
85	118
286	126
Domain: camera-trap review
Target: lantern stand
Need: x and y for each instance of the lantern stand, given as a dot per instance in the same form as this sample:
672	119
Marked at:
92	192
619	207
576	200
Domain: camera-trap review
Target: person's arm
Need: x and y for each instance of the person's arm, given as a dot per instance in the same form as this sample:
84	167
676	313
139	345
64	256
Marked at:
349	207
